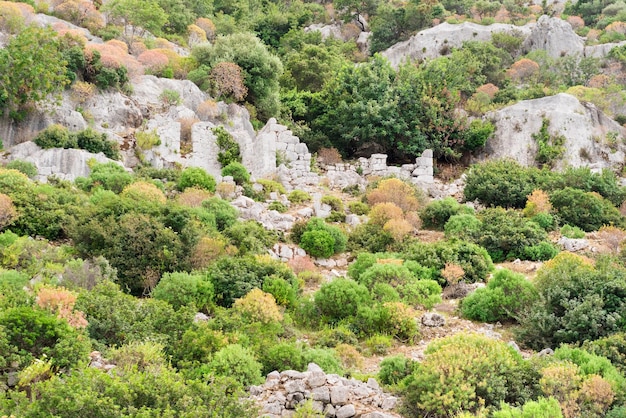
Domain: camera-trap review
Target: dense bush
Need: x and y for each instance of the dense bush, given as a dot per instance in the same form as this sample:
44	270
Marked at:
466	372
234	277
541	408
36	334
22	166
463	227
341	299
577	301
506	233
250	237
224	213
57	136
585	210
438	212
318	243
183	289
238	172
505	296
110	176
196	177
369	237
474	260
612	347
394	369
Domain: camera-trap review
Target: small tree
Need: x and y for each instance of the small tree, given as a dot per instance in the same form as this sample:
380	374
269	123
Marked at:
137	17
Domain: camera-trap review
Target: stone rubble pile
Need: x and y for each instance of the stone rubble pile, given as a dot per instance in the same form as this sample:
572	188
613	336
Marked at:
333	395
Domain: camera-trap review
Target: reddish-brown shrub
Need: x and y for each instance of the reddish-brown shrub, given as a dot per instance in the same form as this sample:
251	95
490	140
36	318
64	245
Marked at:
328	156
349	356
227	80
7	211
537	202
576	22
489	89
300	263
61	302
619	27
81	13
523	69
207	26
596	396
452	273
153	61
599	81
185	128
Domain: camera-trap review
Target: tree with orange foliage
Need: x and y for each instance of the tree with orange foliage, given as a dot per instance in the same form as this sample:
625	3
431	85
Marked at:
227	81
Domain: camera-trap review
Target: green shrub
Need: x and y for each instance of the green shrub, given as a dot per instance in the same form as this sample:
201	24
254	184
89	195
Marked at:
250	237
283	291
111	176
369	237
238	363
299	196
327	359
612	347
463	227
183	289
341	299
424	293
332	336
578	301
334	202
229	149
238	171
500	183
379	344
465	372
592	364
505	233
336	217
438	212
36	334
145	140
394	369
572	231
95	142
585	210
540	252
473	259
233	277
393	274
278	206
318	224
383	292
22	166
283	356
541	408
55	136
358	208
170	97
225	214
505	296
196	177
318	243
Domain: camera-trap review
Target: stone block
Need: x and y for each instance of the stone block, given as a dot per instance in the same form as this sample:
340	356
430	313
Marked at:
428	153
389	403
339	395
425	179
373	384
301	148
422	171
316	379
346	411
321	394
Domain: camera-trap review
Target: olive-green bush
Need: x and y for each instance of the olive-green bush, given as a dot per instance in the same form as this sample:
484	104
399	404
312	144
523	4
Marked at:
184	289
196	177
341	299
586	210
505	296
238	172
438	212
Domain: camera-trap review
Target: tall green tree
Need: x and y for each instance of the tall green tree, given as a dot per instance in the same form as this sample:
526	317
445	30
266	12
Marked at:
137	16
261	68
31	68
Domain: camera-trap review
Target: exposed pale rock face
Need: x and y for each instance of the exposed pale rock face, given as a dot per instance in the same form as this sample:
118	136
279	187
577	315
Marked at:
66	164
586	129
148	88
429	42
555	36
602	50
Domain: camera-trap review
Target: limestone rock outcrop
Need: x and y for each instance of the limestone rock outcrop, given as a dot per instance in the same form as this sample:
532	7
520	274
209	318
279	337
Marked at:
591	138
555	36
335	396
432	42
